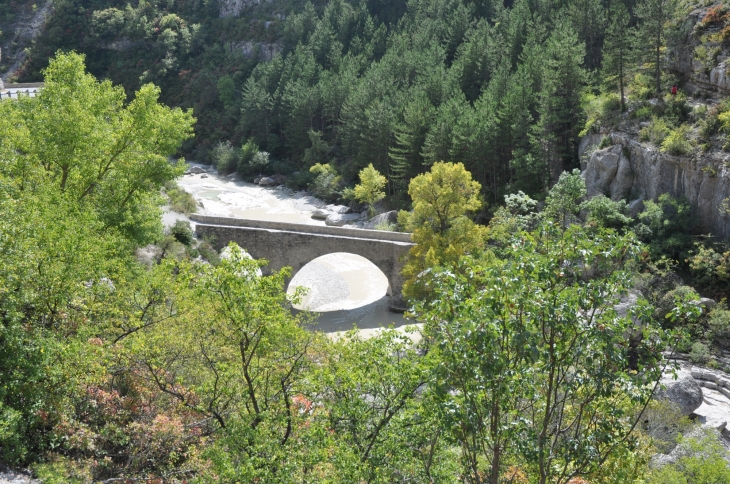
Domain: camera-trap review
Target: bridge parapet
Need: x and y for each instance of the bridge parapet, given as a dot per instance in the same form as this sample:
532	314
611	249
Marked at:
312	229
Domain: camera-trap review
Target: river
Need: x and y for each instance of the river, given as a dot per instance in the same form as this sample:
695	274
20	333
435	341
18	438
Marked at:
345	289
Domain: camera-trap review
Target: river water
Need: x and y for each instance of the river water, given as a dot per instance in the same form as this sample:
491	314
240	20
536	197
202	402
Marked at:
345	289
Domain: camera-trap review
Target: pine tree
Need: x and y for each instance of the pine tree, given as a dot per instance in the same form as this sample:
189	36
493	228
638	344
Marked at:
618	48
656	16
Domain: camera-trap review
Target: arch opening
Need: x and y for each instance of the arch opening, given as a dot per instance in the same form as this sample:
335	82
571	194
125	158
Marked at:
339	281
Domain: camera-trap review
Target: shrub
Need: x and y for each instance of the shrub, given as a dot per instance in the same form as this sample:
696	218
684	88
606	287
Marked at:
599	109
706	57
676	142
699	353
300	180
208	253
676	109
604	212
718	325
225	157
182	232
668	301
641	87
701	461
655	132
180	200
326	184
605	142
248	150
710	268
387	226
715	15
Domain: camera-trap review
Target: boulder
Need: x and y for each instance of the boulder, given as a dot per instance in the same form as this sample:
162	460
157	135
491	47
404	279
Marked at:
684	393
391	217
338	219
321	214
341	209
267	182
196	170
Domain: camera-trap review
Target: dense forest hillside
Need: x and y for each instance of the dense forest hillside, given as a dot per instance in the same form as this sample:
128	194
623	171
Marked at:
400	85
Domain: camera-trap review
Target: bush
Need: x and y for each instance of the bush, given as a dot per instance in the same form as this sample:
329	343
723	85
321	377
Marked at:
604	212
248	151
641	87
606	141
701	461
300	180
668	301
665	225
180	200
207	252
655	132
225	157
676	109
676	142
600	110
182	232
718	325
326	184
699	353
710	268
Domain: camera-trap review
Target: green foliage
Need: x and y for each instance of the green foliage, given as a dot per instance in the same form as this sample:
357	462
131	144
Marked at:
710	267
370	188
676	142
563	202
665	225
326	184
225	157
699	353
604	212
182	232
180	200
718	325
529	333
702	461
656	132
226	91
600	110
442	200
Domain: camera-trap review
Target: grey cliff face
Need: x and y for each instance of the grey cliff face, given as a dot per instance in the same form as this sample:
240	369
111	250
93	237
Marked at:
636	171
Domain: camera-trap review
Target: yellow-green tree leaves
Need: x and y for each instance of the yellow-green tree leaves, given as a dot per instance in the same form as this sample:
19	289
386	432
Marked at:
442	230
370	189
81	138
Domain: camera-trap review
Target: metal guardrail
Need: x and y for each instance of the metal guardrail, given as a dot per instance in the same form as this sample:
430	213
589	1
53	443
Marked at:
304	228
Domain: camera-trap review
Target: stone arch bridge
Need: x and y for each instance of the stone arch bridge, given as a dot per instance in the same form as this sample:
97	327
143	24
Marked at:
295	245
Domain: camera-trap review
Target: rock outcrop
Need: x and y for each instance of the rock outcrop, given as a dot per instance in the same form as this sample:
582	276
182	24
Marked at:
390	217
338	220
684	393
637	171
233	8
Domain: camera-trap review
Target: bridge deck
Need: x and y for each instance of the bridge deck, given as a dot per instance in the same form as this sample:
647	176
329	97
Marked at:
305	229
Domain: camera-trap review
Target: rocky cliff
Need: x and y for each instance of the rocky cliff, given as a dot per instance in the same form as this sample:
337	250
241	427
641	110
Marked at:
636	171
